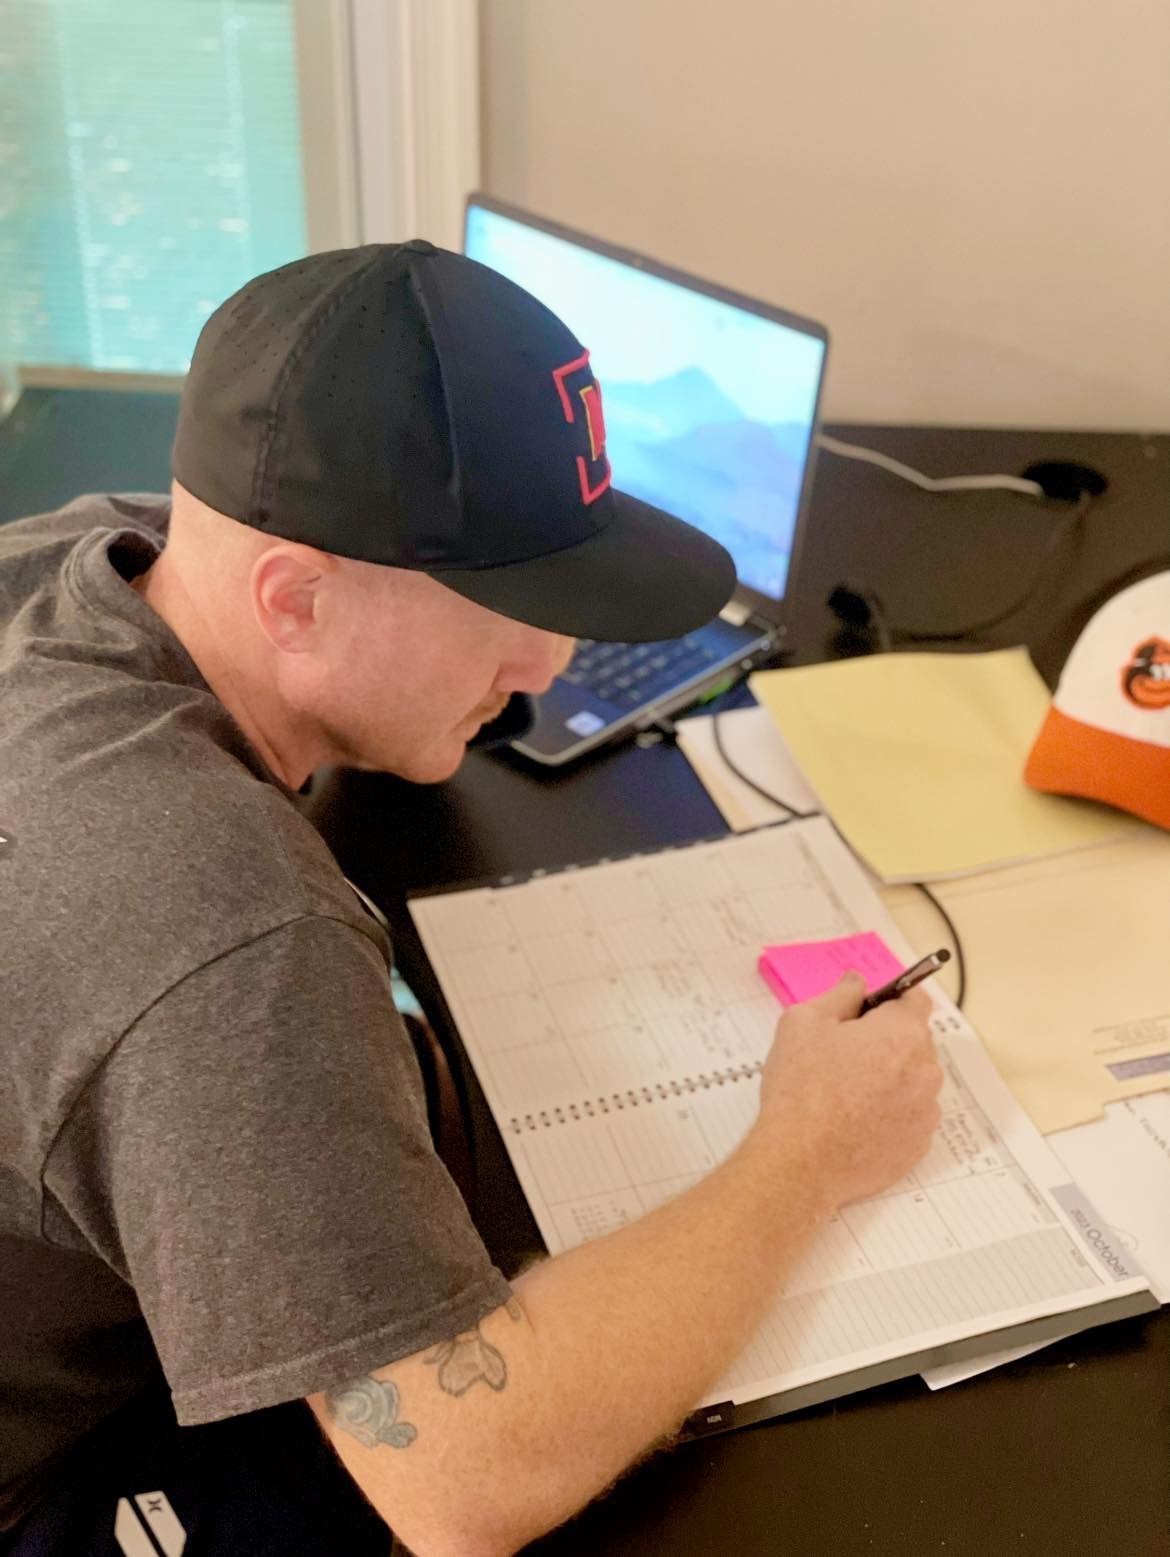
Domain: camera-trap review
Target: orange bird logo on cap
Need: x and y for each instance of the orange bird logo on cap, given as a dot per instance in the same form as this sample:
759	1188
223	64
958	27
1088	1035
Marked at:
593	472
1146	679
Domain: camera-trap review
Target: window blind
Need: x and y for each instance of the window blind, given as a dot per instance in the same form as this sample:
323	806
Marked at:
149	165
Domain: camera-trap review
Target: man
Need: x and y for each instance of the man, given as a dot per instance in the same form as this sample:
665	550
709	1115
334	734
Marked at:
392	511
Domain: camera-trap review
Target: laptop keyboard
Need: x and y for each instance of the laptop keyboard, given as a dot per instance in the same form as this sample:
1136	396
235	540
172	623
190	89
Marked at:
630	674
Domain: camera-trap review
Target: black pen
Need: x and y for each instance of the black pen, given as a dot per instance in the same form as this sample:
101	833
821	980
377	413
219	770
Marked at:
907	980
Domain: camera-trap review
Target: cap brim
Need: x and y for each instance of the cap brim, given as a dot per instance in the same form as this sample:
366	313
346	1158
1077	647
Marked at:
1081	760
644	577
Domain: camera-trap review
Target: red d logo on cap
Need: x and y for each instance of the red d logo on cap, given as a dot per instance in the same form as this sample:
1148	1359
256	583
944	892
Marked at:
580	395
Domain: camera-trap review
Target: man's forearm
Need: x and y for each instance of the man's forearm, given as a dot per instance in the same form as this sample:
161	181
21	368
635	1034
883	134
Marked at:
635	1328
607	1349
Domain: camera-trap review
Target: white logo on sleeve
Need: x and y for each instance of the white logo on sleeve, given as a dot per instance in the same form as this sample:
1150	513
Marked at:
150	1511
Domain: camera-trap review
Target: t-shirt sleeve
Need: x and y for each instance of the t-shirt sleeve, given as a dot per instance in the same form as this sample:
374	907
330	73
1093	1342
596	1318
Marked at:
255	1159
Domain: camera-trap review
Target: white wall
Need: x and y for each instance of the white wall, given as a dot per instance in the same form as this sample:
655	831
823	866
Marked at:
974	195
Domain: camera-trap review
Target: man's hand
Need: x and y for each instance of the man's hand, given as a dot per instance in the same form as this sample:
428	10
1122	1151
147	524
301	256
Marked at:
857	1096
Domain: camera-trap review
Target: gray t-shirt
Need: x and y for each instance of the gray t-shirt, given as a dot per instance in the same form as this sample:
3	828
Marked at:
214	1155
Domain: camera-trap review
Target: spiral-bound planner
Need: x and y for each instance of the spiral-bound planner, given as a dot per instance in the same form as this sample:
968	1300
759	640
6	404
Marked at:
618	1026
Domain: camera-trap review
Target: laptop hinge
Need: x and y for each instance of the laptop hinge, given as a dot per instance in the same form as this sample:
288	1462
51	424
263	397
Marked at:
736	613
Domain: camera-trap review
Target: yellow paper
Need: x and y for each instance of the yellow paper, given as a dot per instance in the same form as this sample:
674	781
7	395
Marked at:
919	760
1068	978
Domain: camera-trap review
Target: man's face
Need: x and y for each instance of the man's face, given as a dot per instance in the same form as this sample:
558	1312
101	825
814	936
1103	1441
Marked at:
415	670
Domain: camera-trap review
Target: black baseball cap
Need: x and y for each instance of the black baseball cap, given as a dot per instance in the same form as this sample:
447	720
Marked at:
404	405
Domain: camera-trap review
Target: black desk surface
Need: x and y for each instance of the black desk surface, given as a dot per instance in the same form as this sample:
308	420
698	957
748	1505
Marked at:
1067	1451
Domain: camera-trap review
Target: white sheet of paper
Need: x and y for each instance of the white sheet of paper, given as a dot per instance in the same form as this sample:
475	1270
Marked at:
753	743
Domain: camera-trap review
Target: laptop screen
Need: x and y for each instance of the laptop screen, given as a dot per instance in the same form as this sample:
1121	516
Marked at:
709	405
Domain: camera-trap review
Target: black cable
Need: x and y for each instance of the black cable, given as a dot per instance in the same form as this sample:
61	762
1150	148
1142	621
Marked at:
1055	540
960	961
795	815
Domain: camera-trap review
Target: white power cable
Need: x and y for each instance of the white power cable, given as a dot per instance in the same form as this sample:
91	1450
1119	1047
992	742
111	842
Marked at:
854	451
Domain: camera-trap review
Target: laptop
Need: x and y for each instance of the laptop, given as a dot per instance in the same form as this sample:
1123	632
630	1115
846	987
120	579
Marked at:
711	402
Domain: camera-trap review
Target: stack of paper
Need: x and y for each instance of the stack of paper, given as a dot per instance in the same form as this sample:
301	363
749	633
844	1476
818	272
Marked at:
1068	981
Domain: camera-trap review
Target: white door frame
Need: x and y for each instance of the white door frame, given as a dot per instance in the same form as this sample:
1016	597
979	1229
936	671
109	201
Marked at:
389	95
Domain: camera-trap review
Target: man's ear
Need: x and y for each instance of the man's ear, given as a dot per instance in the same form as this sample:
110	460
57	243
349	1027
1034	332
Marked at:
286	586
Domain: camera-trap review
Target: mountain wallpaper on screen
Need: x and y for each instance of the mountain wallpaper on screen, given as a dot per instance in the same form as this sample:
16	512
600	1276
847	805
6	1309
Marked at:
684	445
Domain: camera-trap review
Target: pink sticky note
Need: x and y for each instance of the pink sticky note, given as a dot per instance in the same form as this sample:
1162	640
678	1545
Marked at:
802	969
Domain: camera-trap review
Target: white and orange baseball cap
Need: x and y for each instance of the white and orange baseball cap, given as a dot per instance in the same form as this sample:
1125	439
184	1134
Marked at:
1107	735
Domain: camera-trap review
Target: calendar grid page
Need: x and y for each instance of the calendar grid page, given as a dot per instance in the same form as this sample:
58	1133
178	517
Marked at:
618	1025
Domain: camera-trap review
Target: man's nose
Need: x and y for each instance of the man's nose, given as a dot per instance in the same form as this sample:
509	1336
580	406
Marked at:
537	662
